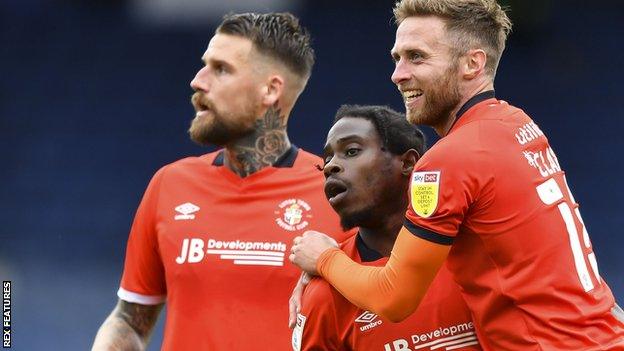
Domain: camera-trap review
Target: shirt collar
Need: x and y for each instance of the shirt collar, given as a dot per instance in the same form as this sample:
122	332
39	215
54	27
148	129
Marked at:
482	96
287	160
366	253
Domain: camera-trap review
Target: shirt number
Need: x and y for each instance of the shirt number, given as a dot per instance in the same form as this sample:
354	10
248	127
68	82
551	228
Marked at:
550	192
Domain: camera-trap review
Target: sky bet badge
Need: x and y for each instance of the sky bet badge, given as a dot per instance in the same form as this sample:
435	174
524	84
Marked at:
424	190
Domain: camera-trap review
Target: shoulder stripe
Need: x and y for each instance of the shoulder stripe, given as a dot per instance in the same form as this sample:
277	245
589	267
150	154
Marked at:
132	297
427	234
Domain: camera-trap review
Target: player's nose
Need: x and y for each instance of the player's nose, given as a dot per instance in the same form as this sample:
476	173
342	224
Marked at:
332	167
400	73
200	81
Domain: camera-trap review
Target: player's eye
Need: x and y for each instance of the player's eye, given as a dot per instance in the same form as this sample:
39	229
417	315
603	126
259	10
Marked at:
220	69
352	151
415	56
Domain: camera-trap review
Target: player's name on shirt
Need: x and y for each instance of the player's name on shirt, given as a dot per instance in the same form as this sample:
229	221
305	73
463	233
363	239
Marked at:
544	160
255	253
528	132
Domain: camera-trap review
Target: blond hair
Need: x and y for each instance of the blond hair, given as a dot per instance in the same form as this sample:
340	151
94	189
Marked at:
471	24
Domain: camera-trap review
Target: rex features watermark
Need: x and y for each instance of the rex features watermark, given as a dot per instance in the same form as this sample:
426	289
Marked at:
6	314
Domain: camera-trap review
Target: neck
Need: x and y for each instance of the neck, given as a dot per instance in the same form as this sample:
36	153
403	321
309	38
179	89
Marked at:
443	128
260	149
381	238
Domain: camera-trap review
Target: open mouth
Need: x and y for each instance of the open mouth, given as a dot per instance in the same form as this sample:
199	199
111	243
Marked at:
199	104
203	107
411	95
335	191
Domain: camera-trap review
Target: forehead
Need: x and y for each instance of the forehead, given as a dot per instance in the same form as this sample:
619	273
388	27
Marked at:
228	47
420	32
352	127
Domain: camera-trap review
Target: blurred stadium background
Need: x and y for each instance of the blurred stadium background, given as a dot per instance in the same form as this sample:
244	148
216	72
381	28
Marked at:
94	98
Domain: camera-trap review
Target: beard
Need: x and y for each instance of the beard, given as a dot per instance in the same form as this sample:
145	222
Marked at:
219	128
440	100
214	130
382	203
357	218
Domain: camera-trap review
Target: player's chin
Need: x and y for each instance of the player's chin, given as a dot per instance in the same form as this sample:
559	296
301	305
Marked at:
202	135
414	116
347	207
350	219
340	203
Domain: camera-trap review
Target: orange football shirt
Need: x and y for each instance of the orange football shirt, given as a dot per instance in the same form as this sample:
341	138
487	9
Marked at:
494	188
215	247
328	321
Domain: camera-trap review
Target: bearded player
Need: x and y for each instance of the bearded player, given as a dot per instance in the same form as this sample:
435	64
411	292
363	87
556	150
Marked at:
490	199
210	235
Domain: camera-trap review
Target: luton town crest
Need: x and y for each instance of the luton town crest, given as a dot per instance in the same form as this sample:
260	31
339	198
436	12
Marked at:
424	191
293	214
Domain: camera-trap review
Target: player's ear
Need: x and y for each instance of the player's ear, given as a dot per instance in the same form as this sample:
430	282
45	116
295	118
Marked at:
473	63
408	161
272	90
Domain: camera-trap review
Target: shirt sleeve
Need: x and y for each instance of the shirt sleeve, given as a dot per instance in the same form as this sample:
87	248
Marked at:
143	278
445	185
317	328
393	291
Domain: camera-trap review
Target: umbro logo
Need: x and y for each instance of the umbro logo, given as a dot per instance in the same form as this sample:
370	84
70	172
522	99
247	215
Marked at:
185	211
369	319
366	317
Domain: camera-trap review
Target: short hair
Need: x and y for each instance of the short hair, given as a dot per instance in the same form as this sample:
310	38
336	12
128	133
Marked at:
277	35
471	24
397	135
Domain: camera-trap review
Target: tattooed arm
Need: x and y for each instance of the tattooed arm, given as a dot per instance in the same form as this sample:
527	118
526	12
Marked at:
127	328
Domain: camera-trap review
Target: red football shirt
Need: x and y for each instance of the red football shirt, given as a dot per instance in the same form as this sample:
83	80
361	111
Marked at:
328	321
215	247
494	188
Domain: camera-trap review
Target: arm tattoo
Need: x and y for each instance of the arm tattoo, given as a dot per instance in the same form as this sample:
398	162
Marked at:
141	318
263	147
127	328
121	337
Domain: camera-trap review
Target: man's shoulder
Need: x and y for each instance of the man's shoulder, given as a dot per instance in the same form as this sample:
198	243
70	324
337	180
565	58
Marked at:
321	293
490	120
318	293
321	299
304	159
452	151
491	131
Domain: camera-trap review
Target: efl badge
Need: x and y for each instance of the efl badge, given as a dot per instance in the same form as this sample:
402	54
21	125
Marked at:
293	214
425	188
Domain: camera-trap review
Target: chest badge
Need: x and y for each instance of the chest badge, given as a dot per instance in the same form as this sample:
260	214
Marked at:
293	214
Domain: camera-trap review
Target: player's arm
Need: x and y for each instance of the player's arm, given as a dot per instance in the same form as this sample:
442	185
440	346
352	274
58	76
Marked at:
393	291
319	322
127	328
294	303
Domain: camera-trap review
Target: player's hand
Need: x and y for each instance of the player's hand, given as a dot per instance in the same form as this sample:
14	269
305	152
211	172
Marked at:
306	250
294	303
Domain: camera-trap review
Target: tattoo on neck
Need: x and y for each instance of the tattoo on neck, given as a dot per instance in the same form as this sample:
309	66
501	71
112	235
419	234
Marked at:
262	148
